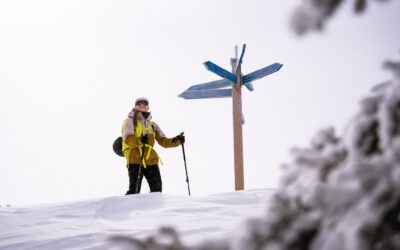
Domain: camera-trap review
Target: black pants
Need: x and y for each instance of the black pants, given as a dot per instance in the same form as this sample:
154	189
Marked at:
152	174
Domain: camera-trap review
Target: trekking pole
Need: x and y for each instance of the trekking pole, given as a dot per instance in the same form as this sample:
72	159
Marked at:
138	182
184	160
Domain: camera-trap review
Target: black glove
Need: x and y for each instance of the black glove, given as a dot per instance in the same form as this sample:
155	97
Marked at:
145	139
180	138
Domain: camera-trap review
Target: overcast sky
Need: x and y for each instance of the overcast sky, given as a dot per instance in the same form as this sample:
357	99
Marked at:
71	70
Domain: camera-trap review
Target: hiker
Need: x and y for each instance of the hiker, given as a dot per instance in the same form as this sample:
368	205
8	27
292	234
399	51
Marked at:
139	134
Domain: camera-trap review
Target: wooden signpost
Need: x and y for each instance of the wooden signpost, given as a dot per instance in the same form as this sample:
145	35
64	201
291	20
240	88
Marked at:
231	86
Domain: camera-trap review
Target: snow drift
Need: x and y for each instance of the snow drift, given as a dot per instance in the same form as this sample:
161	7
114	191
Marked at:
89	224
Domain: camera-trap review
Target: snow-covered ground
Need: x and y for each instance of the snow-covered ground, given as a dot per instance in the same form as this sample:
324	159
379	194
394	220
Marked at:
89	224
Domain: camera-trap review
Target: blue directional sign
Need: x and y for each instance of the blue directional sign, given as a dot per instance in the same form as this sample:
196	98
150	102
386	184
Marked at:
211	85
220	71
262	72
249	86
241	56
215	89
211	93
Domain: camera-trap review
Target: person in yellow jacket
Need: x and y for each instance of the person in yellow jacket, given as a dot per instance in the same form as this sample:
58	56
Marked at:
139	134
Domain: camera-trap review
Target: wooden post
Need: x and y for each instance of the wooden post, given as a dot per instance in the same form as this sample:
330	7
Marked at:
237	124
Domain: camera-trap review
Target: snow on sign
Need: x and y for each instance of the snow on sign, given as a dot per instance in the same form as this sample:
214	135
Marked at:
230	86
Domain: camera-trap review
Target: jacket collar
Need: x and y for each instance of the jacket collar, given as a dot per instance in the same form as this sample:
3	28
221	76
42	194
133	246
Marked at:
140	117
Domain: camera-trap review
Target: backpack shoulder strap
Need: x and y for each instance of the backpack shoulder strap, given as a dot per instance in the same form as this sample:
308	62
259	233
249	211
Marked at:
123	126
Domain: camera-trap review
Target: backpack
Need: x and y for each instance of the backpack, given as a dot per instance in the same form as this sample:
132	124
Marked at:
117	146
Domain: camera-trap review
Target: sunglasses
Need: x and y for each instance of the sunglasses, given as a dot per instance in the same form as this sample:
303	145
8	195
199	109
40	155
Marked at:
142	103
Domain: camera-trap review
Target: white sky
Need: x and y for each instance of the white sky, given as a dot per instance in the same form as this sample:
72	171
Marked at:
71	70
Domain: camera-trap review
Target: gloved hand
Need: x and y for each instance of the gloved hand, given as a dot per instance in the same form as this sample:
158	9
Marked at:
144	139
180	138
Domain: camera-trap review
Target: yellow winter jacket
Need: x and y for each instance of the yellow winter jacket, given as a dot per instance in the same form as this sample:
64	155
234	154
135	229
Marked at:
132	146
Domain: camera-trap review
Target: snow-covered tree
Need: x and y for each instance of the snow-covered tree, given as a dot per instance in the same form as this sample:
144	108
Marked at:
313	14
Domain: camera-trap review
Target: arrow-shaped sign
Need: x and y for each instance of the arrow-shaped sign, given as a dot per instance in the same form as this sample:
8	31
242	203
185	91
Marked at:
220	71
249	86
241	56
202	94
262	72
211	85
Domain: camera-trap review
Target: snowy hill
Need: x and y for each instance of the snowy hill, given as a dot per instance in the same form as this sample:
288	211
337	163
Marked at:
89	224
